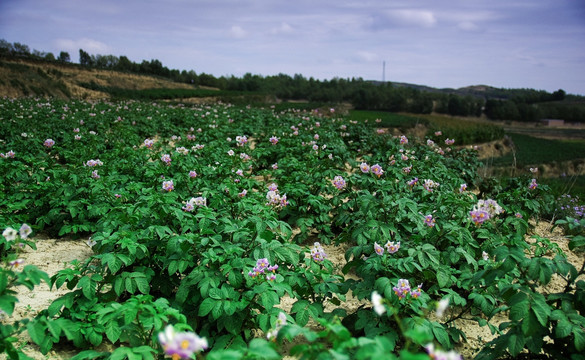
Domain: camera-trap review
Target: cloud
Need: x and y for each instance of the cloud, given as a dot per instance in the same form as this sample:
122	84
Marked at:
89	45
237	32
404	17
468	26
366	56
284	28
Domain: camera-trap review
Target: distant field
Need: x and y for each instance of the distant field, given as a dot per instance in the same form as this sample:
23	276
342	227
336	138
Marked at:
464	132
548	132
388	119
531	150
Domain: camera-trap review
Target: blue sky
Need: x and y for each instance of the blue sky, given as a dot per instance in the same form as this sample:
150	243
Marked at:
536	44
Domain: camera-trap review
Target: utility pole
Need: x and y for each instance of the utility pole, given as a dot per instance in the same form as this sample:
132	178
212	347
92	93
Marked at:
383	71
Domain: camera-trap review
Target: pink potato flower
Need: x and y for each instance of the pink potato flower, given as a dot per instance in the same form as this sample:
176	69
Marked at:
168	185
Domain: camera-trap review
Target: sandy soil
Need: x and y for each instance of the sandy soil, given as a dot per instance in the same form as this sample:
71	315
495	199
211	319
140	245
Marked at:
53	255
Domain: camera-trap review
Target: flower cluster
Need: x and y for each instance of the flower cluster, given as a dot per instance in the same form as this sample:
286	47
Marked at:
92	163
440	354
412	182
484	210
9	154
449	141
274	140
241	140
377	170
182	150
339	182
168	185
391	247
263	267
402	289
181	345
16	263
166	158
533	185
569	206
243	193
95	175
429	220
378	303
430	185
317	252
198	201
148	143
275	199
280	322
365	168
403	140
192	174
462	188
10	234
49	143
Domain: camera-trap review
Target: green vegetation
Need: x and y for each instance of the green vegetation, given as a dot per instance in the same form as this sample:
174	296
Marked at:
192	226
388	119
530	151
574	185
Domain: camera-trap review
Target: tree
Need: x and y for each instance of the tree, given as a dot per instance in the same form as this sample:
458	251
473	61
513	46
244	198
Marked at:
84	58
124	64
558	95
64	57
21	49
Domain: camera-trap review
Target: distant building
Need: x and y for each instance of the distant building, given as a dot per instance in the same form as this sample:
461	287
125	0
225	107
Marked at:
552	122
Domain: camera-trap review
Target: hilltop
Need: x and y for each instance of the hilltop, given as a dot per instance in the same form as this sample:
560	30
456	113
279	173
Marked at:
20	78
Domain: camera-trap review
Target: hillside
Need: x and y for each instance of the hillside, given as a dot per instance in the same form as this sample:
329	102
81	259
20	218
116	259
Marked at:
68	81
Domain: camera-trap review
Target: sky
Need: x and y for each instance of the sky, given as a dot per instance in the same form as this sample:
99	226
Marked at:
537	44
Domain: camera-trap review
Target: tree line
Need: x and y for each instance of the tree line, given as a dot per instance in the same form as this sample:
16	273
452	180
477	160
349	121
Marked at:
499	104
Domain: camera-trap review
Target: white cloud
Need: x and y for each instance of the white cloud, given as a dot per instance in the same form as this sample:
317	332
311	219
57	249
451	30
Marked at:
89	45
367	56
412	17
284	28
468	26
238	32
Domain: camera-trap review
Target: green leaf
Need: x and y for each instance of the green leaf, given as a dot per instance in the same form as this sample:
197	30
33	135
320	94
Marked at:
441	335
7	303
54	328
206	306
519	311
113	332
563	328
269	299
516	343
142	283
94	338
36	330
215	293
541	309
579	338
443	278
302	317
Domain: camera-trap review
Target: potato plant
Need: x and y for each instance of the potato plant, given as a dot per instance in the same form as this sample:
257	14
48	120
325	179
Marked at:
203	219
